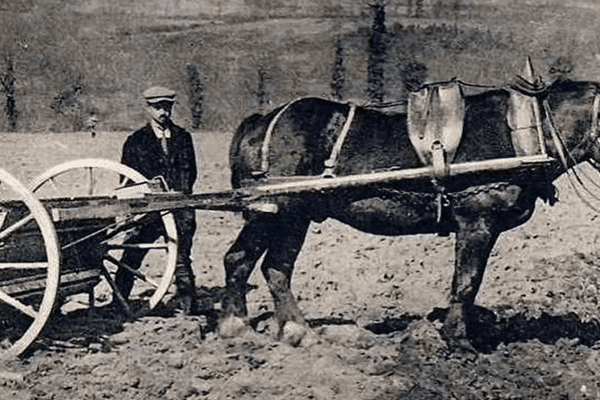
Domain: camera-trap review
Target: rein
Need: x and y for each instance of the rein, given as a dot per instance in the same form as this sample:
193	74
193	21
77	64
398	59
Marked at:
595	139
558	143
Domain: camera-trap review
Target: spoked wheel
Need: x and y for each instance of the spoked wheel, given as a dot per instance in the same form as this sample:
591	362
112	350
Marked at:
104	245
29	267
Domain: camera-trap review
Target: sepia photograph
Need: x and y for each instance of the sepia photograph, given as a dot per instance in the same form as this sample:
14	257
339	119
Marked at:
299	199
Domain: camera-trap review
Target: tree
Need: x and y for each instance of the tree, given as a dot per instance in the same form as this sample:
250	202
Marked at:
8	80
377	53
195	93
418	8
339	71
12	45
414	74
264	91
38	42
68	106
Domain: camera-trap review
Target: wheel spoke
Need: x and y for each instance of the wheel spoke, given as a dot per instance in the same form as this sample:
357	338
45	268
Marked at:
53	185
110	231
24	265
83	239
122	226
25	309
17	225
91	175
116	291
131	222
135	272
3	215
141	246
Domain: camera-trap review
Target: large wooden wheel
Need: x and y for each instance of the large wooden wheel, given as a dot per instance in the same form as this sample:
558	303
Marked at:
106	241
29	267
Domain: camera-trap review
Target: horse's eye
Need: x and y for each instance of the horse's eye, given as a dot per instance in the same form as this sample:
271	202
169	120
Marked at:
552	70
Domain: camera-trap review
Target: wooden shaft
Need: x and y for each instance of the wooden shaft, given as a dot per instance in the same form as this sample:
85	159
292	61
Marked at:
248	198
351	181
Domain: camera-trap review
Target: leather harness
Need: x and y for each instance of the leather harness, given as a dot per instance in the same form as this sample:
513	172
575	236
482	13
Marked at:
439	162
330	163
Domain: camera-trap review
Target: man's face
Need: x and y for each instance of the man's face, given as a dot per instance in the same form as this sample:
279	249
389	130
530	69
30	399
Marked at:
161	112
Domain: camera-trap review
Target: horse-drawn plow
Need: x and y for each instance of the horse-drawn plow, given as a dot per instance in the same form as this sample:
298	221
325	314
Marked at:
65	232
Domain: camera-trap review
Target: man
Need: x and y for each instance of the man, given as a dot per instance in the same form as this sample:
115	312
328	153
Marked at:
162	148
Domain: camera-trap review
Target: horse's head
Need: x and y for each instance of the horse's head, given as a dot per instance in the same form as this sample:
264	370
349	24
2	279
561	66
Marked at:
572	115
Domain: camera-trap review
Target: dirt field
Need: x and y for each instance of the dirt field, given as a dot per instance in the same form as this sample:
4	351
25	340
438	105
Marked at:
374	304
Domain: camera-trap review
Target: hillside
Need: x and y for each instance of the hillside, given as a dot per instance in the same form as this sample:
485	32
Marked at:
73	59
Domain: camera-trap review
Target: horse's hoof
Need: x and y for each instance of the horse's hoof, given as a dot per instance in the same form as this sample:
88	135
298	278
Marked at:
232	327
293	333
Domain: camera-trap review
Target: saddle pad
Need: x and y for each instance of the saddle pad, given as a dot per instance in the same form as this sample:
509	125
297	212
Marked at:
522	123
436	114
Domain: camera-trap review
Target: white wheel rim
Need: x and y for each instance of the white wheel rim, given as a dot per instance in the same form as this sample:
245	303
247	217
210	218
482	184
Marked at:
52	252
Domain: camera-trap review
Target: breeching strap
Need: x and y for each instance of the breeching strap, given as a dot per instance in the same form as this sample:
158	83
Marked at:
332	160
329	163
264	166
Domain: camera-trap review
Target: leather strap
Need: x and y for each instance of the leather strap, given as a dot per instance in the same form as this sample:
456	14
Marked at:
264	166
331	162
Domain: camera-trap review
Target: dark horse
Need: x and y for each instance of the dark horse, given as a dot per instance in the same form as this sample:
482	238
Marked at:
477	207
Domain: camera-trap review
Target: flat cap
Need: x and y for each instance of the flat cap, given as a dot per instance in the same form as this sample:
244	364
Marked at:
156	94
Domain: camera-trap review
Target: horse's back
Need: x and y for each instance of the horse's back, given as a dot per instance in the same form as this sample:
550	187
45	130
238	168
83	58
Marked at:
305	134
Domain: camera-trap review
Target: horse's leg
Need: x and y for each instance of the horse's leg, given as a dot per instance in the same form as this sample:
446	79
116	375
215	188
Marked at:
474	243
283	239
278	266
239	262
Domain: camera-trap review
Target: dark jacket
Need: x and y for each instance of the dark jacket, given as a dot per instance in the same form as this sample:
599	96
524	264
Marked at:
142	151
